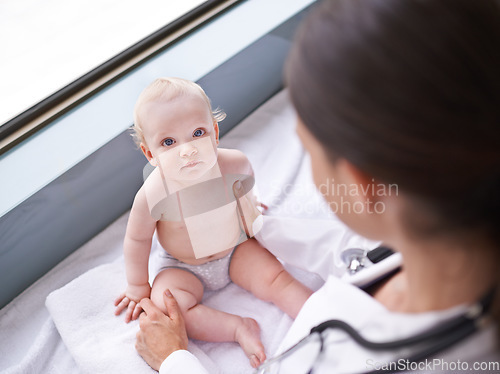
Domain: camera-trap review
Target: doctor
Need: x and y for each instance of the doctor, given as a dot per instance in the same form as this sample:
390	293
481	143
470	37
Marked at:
399	93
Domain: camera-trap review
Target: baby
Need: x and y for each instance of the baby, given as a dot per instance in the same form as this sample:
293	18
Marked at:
199	201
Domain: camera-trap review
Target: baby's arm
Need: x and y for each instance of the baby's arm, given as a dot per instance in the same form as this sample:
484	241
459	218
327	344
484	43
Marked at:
136	248
250	216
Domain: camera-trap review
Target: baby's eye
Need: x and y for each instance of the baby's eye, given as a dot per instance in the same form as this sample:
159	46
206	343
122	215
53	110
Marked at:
198	132
168	142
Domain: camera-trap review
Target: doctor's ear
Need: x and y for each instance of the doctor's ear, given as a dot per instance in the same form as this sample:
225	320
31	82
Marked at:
148	154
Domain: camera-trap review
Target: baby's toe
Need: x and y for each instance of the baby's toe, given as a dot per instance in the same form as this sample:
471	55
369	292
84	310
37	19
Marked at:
254	361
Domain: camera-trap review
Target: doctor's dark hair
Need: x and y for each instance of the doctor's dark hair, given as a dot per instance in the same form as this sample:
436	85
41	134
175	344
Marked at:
408	91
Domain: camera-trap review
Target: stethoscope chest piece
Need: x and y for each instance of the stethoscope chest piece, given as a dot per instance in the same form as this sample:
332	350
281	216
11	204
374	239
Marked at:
354	259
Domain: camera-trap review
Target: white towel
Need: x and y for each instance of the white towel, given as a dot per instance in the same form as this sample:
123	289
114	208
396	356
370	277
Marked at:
100	342
83	314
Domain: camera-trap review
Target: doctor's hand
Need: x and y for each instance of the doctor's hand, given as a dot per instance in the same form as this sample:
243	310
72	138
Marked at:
160	334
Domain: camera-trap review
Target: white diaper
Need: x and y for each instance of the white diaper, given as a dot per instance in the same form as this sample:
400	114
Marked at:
214	275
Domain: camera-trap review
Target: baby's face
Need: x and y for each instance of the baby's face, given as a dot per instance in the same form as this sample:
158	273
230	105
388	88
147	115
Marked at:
180	136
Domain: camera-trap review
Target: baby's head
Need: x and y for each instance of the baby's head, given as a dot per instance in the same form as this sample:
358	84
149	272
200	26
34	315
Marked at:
166	89
174	124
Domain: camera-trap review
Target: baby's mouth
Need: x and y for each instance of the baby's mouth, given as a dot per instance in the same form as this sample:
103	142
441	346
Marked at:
191	164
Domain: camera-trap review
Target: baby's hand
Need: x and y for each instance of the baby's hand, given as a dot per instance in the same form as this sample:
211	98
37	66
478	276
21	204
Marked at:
130	300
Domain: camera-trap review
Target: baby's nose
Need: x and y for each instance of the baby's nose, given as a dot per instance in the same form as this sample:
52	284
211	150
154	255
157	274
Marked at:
188	150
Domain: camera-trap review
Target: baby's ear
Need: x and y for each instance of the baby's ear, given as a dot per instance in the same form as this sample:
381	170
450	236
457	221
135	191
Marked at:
216	129
148	154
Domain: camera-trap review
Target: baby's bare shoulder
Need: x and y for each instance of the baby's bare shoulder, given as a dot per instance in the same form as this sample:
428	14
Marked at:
140	204
153	182
233	161
152	189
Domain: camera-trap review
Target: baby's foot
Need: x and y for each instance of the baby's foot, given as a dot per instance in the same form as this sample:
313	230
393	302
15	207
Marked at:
248	337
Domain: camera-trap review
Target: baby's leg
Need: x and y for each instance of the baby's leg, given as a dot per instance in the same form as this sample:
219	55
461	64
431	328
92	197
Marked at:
255	269
202	322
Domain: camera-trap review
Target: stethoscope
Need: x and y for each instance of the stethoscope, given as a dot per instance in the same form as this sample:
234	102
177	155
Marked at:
355	259
434	340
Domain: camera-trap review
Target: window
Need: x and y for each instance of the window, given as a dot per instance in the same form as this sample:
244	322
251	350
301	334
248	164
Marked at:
47	44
